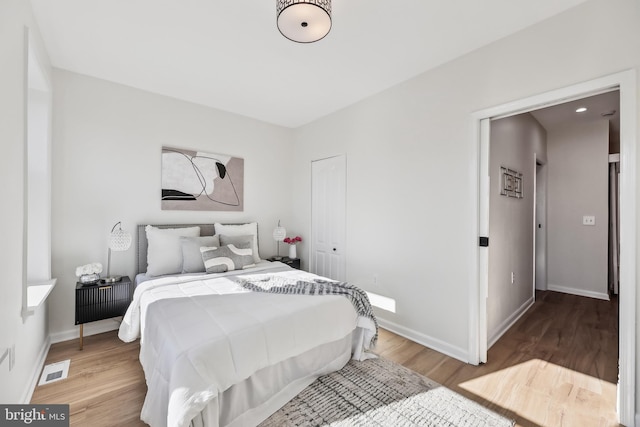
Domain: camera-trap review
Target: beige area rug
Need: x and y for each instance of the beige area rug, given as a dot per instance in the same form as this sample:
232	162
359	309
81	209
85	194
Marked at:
379	392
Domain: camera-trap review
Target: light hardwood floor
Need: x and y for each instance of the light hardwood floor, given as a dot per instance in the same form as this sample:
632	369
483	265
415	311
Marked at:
556	367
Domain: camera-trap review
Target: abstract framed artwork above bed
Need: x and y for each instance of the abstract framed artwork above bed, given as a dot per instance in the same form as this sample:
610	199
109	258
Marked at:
214	352
194	180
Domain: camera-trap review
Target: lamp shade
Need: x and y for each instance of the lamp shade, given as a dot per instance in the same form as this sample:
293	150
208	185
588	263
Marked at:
279	233
119	240
304	21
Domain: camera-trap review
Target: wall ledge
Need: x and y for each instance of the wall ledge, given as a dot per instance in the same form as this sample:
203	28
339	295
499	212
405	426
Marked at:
37	293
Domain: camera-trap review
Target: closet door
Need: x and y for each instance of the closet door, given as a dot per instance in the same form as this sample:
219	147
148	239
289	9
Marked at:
328	217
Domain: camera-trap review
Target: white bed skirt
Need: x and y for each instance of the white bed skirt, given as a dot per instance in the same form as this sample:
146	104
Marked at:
252	401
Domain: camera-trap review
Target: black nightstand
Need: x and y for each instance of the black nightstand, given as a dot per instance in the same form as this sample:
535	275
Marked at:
101	301
293	263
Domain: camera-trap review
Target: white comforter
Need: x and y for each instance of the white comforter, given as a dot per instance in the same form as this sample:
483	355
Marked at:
201	335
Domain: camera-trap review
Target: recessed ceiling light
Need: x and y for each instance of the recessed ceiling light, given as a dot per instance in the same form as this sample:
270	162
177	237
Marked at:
581	110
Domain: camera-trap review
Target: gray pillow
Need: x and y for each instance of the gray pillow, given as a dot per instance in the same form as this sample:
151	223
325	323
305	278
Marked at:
242	240
227	258
191	256
240	230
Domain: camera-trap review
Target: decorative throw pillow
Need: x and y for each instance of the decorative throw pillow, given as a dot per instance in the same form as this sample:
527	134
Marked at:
164	253
239	241
249	229
191	256
226	258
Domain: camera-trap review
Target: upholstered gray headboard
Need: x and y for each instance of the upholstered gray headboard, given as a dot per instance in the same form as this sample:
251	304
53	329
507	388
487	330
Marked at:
142	244
141	253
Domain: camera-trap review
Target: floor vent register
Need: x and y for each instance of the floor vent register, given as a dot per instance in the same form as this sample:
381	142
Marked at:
55	372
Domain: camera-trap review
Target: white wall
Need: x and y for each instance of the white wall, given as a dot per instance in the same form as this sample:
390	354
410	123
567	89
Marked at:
29	335
106	165
515	143
578	172
39	191
411	161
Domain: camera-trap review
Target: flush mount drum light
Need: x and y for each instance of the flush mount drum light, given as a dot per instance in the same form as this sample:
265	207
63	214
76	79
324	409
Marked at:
304	21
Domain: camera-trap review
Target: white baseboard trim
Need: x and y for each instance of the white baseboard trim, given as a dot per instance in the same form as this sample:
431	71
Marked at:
508	322
579	292
92	328
35	375
425	340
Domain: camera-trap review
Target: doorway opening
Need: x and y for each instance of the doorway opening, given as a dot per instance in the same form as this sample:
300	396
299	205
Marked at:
625	83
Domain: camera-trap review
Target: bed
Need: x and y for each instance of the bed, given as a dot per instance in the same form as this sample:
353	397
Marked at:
217	354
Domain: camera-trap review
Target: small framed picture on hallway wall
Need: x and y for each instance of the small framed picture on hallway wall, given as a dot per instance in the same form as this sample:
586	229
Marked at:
510	183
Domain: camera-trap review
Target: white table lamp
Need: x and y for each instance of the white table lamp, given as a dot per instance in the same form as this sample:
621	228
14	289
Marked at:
279	234
119	240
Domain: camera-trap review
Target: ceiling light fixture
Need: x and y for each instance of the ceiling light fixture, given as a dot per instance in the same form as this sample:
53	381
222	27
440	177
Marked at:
581	110
304	21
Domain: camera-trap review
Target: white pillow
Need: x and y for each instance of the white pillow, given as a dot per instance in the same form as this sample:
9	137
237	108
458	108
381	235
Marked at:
164	253
249	229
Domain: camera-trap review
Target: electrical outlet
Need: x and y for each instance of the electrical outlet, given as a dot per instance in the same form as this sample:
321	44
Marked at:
588	220
4	354
12	357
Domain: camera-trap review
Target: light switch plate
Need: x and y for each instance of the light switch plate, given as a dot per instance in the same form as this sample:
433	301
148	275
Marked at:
588	220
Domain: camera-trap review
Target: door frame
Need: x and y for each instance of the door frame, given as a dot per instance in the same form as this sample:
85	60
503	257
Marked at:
540	177
625	82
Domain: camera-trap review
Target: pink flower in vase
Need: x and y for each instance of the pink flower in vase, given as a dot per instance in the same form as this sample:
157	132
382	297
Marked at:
292	245
292	240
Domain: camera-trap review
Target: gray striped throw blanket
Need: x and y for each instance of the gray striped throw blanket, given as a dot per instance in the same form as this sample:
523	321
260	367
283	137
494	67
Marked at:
284	285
